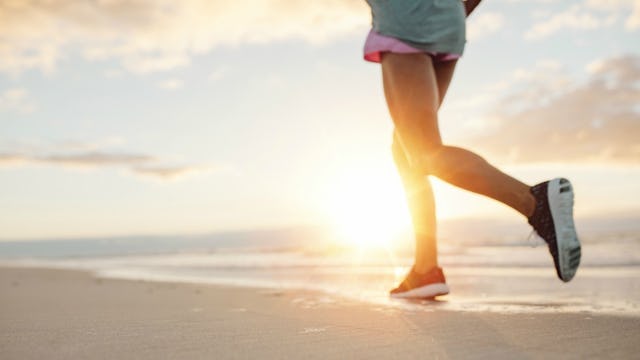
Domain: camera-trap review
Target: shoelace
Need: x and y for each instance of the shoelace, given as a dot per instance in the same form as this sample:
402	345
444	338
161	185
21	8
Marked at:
534	239
566	210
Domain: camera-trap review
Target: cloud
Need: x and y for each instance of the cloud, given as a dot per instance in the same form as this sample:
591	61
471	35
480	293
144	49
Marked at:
588	15
633	21
166	172
218	74
158	35
73	154
630	7
596	120
574	18
171	84
484	24
11	159
16	100
94	159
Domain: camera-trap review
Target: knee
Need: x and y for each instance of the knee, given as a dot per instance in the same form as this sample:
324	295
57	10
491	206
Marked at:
427	162
411	176
399	157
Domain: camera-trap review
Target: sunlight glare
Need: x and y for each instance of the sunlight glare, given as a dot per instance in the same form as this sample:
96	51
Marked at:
368	209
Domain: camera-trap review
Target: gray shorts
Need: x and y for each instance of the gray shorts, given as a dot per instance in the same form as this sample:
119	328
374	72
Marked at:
436	26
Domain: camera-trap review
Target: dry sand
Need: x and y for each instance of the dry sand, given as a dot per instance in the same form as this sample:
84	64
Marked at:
60	314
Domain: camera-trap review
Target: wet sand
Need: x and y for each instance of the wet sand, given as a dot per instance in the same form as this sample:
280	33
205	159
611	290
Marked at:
63	314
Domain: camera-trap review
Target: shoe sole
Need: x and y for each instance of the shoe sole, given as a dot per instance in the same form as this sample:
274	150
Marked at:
427	291
560	194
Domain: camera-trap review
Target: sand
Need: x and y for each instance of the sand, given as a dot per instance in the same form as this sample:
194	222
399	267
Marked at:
62	314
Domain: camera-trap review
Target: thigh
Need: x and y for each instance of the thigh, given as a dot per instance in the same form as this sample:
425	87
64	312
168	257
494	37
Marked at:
412	94
444	73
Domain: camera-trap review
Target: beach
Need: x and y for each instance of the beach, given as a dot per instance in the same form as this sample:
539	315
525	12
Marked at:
66	314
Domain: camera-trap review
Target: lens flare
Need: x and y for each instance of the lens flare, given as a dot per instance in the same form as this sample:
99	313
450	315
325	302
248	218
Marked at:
368	209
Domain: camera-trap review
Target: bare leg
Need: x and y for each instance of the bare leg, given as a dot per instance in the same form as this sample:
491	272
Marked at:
422	208
418	188
412	92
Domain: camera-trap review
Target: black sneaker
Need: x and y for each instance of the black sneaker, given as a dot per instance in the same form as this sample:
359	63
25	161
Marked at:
552	219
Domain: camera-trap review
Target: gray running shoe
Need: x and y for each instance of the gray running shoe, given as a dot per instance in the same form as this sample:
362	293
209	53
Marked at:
552	219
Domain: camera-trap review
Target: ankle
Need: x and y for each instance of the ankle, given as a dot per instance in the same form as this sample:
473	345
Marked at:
528	205
423	268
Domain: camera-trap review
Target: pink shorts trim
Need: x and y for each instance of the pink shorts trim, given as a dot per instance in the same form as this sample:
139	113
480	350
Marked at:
377	44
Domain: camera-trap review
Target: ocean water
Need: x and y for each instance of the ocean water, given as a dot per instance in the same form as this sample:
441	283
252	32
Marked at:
490	266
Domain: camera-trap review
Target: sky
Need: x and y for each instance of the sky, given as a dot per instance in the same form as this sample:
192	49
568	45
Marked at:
129	117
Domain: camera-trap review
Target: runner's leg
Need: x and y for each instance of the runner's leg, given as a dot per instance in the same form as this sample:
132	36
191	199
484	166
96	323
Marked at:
411	90
418	189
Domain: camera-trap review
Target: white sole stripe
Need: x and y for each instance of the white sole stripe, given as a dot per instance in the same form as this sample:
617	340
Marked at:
426	291
565	245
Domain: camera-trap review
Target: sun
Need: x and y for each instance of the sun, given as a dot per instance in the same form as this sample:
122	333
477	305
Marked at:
368	208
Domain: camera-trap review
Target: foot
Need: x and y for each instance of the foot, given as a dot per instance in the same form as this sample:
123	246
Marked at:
552	219
420	286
